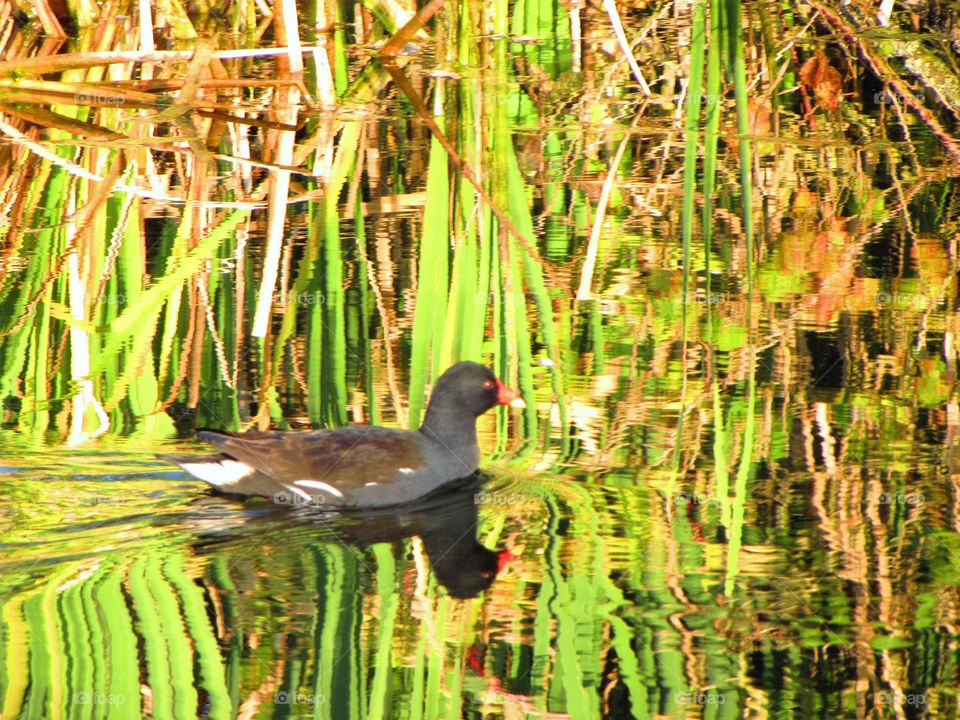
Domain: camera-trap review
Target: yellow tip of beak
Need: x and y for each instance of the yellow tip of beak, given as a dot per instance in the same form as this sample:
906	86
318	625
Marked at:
517	402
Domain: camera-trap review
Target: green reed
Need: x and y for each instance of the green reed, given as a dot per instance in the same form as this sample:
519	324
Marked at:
430	314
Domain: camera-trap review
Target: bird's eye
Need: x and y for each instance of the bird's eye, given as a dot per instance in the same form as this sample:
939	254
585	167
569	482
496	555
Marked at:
488	384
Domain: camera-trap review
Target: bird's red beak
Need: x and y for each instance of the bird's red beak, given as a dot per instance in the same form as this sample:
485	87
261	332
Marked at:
508	396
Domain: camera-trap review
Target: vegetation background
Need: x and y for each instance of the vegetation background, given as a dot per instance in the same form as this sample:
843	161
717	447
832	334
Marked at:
714	244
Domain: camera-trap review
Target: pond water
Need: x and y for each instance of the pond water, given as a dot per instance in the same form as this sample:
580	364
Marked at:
734	490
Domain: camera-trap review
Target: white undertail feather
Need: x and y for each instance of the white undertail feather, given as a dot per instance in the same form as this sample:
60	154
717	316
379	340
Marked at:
219	474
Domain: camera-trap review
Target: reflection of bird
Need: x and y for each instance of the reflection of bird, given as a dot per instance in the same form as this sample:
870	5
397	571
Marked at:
446	523
360	466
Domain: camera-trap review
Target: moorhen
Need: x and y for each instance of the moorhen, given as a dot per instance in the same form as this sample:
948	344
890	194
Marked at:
360	466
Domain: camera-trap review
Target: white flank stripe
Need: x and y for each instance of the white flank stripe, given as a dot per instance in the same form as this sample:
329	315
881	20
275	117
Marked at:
218	474
299	492
317	485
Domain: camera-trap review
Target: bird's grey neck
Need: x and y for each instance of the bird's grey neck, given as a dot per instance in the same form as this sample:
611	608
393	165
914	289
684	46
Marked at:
454	431
442	423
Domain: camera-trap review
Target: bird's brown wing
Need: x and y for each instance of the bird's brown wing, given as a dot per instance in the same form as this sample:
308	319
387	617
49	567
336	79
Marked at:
344	458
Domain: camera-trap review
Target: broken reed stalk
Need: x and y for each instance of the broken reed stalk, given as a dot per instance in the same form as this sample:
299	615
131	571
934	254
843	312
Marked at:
57	63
